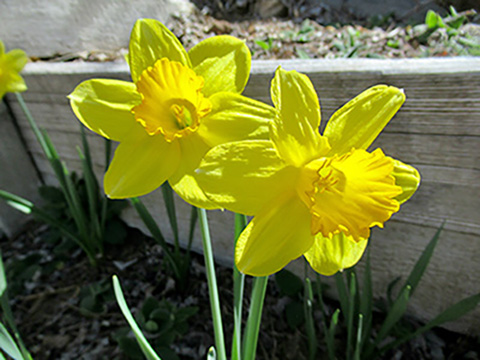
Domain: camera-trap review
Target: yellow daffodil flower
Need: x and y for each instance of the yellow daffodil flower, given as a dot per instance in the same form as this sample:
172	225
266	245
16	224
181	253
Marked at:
311	194
179	106
11	64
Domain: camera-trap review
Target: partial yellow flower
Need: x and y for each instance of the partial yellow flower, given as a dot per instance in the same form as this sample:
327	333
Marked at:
178	106
11	64
311	194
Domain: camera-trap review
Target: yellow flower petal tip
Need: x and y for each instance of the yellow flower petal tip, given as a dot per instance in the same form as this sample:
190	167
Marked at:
11	64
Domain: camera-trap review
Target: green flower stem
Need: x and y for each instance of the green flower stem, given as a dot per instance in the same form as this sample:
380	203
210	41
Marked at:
254	317
238	288
212	286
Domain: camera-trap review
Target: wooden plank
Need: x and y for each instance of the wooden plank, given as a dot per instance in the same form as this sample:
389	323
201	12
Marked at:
437	130
17	173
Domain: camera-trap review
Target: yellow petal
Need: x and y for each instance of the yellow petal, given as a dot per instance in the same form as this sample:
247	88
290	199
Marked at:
244	176
407	177
150	41
104	106
328	256
223	61
235	117
295	129
183	181
16	84
16	59
139	167
11	64
358	123
277	235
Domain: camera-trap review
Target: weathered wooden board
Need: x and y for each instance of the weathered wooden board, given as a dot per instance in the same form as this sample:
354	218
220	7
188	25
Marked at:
437	130
17	172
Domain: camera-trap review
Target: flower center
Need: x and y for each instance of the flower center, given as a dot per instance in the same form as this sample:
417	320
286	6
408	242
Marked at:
172	100
349	193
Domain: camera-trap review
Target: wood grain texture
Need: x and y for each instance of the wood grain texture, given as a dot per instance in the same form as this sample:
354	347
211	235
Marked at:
437	130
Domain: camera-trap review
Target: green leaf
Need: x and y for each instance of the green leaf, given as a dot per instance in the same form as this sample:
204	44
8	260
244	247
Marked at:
330	335
431	19
309	320
342	294
288	283
212	354
264	45
366	301
170	206
155	231
142	342
3	279
8	345
358	342
395	314
351	310
422	263
452	313
17	202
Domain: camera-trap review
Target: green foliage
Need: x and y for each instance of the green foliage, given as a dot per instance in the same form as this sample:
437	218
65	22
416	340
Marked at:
178	260
162	322
292	286
450	26
10	345
77	209
95	297
265	45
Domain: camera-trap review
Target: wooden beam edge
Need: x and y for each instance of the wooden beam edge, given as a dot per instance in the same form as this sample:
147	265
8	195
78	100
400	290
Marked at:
447	65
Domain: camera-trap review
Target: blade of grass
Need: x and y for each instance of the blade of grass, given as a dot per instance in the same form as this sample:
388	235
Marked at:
423	261
342	294
358	342
350	314
28	207
452	313
212	286
330	344
172	216
142	342
8	345
309	321
193	223
394	315
8	315
92	193
330	335
366	301
156	233
33	125
212	354
238	289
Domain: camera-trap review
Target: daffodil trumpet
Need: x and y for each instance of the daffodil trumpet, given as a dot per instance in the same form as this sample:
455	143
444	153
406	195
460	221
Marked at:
311	194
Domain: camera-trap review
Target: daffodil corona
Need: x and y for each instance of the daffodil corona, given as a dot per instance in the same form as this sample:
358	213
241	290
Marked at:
311	194
11	64
179	106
